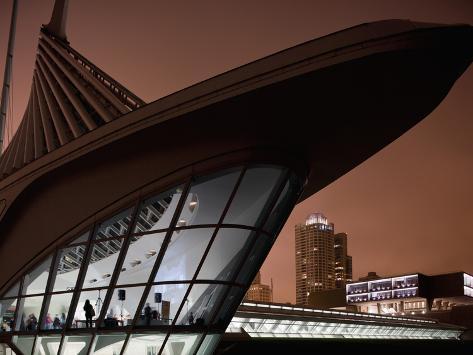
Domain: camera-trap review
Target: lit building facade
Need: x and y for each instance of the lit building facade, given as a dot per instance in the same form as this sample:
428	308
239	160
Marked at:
262	320
411	294
322	262
258	291
343	261
131	225
315	256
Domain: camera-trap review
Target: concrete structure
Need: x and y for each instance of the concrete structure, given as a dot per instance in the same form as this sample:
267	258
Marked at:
411	294
259	292
160	214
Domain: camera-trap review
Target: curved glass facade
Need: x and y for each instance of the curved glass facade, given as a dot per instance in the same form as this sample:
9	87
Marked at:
163	276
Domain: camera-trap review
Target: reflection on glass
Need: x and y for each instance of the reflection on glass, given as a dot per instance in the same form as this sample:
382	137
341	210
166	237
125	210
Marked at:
24	343
107	344
76	345
83	310
148	344
67	269
201	304
229	306
181	344
226	252
114	227
81	239
207	199
183	254
47	345
35	281
283	207
57	309
252	196
102	263
28	313
12	292
162	304
156	212
122	308
140	258
209	344
256	257
7	314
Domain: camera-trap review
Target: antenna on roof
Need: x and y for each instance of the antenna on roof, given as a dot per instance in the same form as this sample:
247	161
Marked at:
7	76
57	25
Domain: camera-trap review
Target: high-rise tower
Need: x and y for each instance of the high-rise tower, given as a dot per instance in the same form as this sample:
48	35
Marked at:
343	261
315	256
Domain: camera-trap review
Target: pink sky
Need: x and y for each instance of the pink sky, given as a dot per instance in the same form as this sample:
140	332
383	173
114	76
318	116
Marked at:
409	208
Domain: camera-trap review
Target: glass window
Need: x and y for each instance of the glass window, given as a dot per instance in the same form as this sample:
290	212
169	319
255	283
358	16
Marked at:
225	254
67	268
207	199
35	281
12	292
76	345
57	307
182	344
81	239
283	207
183	254
122	308
107	344
229	306
102	263
253	262
201	304
95	299
7	314
28	313
47	345
163	302
140	258
116	226
147	344
209	344
156	212
6	350
252	195
24	343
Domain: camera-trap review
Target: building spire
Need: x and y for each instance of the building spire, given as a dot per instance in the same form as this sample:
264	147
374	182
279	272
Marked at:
7	76
57	25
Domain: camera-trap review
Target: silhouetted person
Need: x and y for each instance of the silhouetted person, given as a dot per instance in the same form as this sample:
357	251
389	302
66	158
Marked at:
148	314
56	322
89	313
191	319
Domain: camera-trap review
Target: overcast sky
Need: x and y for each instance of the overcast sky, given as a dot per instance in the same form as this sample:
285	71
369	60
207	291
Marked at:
408	208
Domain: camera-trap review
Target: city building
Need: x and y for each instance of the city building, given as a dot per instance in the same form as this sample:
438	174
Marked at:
259	292
322	262
315	256
411	294
343	261
129	225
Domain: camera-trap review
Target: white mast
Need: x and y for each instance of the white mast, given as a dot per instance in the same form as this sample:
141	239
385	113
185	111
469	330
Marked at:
7	75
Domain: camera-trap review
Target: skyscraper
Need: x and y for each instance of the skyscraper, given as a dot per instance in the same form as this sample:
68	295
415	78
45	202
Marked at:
343	261
322	262
315	256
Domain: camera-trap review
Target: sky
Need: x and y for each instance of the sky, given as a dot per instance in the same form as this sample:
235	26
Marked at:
409	208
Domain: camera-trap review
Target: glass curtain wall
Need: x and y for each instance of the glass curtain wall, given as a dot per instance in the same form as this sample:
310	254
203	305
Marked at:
165	274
